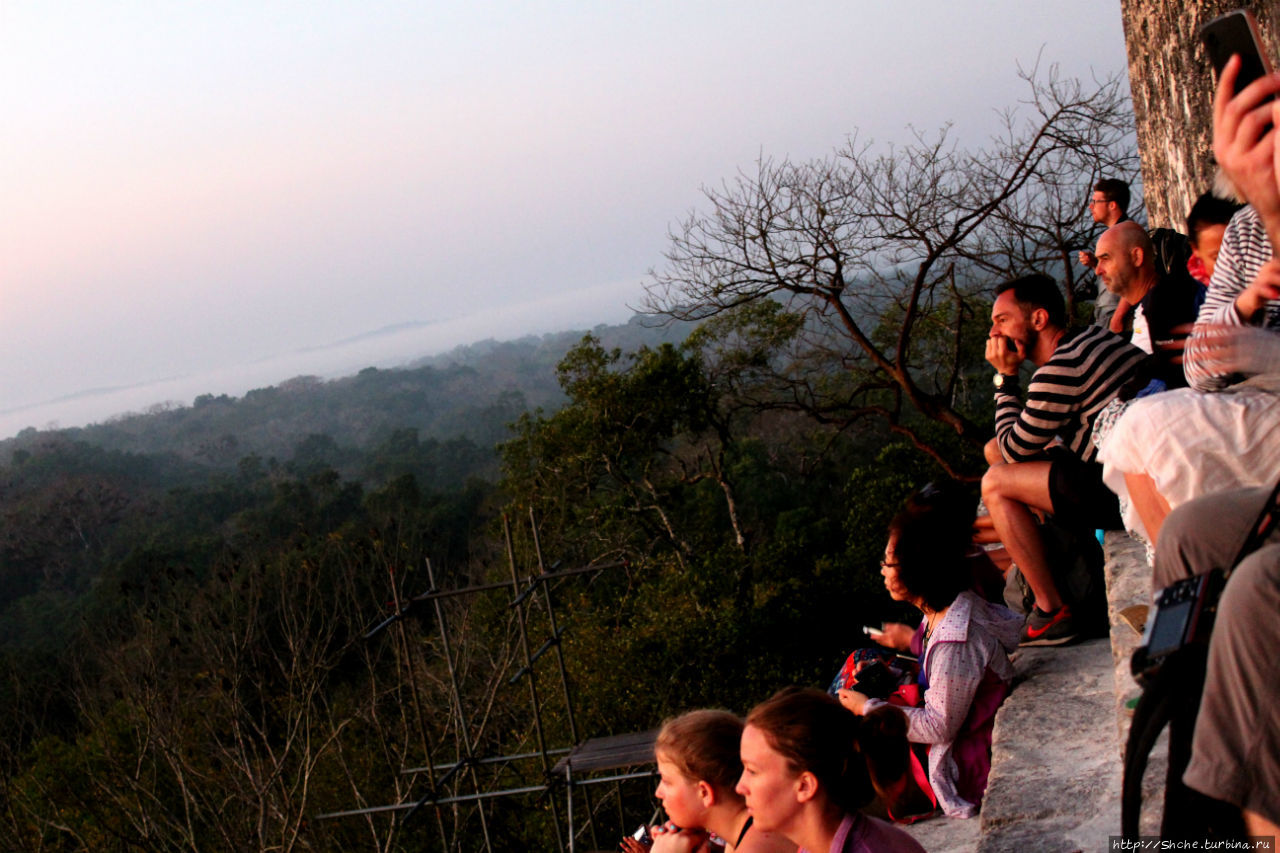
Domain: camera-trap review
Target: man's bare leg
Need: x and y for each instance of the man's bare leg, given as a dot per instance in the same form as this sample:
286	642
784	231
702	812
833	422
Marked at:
1150	505
1010	492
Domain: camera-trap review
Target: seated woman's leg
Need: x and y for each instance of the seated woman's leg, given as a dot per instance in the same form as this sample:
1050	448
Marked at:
1205	534
1150	505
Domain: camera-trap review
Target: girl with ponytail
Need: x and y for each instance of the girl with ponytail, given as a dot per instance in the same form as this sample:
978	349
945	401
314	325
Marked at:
698	763
804	776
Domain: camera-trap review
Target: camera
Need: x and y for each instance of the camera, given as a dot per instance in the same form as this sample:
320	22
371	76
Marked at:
875	681
1182	615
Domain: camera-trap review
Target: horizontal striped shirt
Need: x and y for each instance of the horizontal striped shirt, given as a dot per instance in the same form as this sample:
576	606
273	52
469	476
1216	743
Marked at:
1085	372
1245	248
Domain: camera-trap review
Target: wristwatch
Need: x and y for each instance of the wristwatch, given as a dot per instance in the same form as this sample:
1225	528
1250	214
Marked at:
1005	381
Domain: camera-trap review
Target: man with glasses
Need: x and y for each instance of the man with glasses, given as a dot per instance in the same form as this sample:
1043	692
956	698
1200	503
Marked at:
1108	206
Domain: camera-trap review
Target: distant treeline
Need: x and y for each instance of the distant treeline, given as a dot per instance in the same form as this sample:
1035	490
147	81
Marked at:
469	395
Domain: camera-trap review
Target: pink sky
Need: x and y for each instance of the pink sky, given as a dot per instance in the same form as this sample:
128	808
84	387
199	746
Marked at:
185	188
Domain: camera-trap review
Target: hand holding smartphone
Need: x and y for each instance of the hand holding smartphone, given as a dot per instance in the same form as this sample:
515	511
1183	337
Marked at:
1236	34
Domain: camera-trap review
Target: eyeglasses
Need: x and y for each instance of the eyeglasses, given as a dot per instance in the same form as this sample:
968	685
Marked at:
1091	202
885	564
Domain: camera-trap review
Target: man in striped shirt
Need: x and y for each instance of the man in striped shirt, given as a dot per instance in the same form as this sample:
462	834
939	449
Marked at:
1042	457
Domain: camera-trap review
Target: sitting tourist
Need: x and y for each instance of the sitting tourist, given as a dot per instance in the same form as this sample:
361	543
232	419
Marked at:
1235	751
698	763
1043	455
1164	306
1170	448
804	776
963	643
1206	223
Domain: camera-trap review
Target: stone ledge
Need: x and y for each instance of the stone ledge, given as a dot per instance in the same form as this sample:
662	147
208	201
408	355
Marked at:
1128	585
1055	774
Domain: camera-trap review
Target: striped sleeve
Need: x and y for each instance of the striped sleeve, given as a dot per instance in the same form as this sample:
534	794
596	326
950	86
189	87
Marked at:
1245	248
1085	373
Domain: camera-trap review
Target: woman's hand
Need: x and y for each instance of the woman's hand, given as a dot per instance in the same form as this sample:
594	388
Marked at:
894	635
853	700
669	839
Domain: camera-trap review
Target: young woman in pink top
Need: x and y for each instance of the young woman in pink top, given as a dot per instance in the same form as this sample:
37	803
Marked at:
698	763
803	776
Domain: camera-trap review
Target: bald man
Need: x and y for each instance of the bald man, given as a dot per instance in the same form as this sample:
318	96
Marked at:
1165	305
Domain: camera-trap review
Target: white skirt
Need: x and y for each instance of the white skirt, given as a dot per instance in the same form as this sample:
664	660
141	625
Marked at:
1192	443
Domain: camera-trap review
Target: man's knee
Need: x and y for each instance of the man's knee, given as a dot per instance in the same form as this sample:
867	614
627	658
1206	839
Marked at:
1001	482
992	453
1180	530
991	482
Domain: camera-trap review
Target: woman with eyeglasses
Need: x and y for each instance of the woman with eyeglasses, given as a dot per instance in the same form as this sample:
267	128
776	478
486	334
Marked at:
963	644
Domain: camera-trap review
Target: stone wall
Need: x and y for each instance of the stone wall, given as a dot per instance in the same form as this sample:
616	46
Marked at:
1172	85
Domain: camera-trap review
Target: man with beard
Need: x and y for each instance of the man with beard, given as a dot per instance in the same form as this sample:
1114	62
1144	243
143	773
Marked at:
1164	306
1043	456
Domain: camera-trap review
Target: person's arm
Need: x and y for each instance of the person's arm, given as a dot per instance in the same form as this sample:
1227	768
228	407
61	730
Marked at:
894	635
954	671
1014	444
1244	144
1120	316
1024	431
1244	249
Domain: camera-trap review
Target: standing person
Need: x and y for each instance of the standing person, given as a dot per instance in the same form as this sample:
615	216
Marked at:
1079	371
803	776
1108	205
698	763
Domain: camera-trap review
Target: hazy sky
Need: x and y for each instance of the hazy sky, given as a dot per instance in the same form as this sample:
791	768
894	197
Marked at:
186	187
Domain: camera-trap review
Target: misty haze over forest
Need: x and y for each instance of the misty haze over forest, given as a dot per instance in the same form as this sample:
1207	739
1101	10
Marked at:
390	347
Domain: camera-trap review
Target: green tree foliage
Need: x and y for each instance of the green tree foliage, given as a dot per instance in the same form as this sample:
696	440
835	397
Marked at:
718	605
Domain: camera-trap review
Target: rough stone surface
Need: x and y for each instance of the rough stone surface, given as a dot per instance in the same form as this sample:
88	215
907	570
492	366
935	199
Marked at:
1129	583
1055	777
1172	85
947	835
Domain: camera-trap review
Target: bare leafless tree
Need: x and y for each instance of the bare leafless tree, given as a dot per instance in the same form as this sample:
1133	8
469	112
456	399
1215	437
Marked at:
887	255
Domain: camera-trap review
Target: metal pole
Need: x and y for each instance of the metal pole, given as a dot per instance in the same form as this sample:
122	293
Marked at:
417	707
464	733
568	778
533	678
564	673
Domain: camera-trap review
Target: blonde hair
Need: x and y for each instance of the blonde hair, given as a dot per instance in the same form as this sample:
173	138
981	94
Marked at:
703	745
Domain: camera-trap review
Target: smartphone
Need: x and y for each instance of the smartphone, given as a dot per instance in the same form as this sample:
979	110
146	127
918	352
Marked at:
1236	33
642	835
